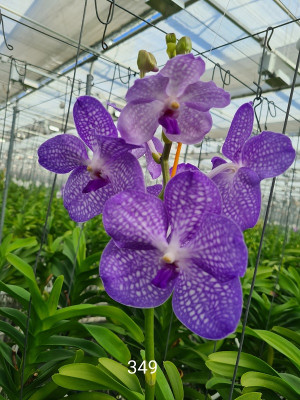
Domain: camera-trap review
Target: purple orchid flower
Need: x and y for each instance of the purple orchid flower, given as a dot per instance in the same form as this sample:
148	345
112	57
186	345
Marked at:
173	98
263	156
92	181
182	245
152	146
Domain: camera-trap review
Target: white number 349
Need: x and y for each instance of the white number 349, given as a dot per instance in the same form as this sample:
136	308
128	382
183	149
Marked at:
152	366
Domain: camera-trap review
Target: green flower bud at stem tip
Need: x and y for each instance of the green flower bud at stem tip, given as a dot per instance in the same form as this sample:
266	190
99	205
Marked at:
170	38
146	62
184	45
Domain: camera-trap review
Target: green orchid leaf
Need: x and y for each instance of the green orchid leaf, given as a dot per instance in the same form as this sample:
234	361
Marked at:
274	383
90	396
175	380
220	361
88	377
37	299
17	292
281	344
82	310
55	294
110	342
250	396
292	380
87	346
120	373
13	333
288	333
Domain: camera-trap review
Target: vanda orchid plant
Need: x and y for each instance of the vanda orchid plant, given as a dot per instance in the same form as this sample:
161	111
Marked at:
183	238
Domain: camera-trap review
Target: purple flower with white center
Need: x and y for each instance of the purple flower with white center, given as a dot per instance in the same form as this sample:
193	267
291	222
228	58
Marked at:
263	156
173	98
147	149
181	245
92	181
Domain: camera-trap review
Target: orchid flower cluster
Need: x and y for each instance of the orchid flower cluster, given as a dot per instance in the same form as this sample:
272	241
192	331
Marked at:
188	241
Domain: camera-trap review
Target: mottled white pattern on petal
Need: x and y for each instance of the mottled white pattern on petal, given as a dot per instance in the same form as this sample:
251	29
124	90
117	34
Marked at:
125	173
241	196
139	121
193	125
187	197
182	71
62	153
111	148
127	276
218	247
206	306
136	220
205	95
91	119
239	131
268	154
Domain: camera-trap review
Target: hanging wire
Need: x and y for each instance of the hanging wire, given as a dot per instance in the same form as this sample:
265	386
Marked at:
269	112
44	233
9	46
263	230
225	77
108	21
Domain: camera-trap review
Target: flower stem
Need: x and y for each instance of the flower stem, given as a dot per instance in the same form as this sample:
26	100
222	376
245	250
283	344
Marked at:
149	353
164	162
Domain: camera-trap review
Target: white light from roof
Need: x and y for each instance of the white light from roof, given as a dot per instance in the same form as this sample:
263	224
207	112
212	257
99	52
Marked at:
53	128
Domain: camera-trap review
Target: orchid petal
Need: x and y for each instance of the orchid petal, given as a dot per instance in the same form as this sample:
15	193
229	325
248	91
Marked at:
183	167
125	173
241	196
136	222
139	121
193	125
62	153
91	119
84	206
187	197
127	276
182	71
154	189
218	247
150	88
239	131
152	166
205	305
204	95
268	154
110	148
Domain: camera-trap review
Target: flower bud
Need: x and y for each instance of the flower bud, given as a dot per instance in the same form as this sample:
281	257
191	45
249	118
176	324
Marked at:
171	44
170	38
184	45
146	62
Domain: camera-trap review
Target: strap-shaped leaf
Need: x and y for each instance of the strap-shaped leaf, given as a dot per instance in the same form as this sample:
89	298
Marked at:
37	299
278	385
81	310
17	292
175	379
110	342
54	295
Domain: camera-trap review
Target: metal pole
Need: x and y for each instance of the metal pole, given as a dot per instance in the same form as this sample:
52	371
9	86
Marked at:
8	167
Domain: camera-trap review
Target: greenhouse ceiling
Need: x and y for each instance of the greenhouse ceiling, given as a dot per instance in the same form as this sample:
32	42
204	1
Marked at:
41	38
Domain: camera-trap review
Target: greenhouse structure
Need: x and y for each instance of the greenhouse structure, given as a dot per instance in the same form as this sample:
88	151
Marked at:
150	199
